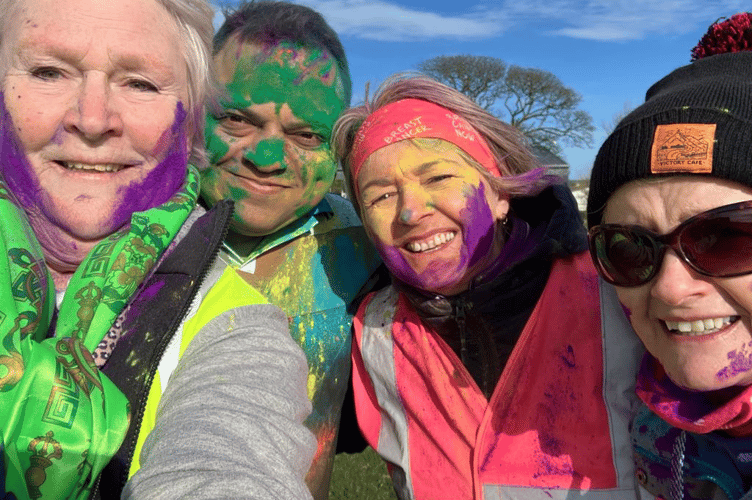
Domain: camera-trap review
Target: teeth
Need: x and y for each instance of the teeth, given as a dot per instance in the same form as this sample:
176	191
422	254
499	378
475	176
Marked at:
700	326
106	167
429	244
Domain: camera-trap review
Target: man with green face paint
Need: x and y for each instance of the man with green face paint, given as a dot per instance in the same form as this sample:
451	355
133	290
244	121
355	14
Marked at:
287	81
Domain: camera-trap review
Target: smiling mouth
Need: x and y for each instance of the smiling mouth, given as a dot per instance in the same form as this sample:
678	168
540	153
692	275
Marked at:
436	241
700	326
89	167
261	183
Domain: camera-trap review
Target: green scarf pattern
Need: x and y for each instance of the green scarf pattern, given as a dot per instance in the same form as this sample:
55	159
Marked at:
63	420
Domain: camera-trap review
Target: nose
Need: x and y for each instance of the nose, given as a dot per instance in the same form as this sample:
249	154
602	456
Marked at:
92	115
414	204
676	282
268	155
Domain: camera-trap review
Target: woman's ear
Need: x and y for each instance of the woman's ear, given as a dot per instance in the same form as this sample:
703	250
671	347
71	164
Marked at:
499	205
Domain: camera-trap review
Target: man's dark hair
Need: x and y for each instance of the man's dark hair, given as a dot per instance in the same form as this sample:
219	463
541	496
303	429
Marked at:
272	21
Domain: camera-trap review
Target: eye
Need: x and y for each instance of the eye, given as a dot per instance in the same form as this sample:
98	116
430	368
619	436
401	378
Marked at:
439	178
307	139
382	198
234	118
237	124
142	86
46	73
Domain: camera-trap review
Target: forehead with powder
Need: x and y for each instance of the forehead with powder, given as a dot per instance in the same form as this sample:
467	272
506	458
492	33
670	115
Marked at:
306	79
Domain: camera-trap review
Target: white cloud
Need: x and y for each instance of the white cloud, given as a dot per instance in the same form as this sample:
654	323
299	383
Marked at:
602	20
620	20
388	21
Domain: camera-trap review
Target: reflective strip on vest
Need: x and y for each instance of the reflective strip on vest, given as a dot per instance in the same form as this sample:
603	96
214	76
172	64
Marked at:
420	409
229	291
496	492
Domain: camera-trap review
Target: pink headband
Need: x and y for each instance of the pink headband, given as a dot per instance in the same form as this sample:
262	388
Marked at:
412	118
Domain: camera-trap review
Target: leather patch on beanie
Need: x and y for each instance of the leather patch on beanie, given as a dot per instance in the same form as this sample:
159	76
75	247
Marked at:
683	147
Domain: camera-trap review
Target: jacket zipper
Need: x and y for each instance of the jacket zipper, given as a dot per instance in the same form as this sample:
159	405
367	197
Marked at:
152	370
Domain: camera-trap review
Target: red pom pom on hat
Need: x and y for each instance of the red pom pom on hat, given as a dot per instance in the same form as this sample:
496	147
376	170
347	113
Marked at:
731	35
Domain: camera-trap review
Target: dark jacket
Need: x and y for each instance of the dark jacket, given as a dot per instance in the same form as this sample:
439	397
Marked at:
154	317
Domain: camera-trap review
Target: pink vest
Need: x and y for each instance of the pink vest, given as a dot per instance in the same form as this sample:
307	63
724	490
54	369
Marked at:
554	422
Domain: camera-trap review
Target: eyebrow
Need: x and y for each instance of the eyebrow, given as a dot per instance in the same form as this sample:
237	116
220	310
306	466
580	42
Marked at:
380	182
250	115
423	168
303	126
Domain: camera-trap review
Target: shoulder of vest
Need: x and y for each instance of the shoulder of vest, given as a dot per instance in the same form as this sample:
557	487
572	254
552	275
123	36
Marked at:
342	216
381	308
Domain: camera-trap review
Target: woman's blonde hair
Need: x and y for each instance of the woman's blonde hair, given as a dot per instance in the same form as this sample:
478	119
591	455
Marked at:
521	175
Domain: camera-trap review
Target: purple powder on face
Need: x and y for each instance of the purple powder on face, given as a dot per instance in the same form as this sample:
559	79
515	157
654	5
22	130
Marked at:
15	168
397	264
740	362
478	230
58	137
477	227
627	311
164	180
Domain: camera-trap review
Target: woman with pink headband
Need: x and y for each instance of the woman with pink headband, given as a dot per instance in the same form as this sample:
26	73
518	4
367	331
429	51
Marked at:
481	371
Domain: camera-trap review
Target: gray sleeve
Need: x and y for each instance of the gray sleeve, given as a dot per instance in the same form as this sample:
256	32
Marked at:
229	424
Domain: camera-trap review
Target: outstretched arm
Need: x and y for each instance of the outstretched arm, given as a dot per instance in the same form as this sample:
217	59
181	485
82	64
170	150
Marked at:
229	423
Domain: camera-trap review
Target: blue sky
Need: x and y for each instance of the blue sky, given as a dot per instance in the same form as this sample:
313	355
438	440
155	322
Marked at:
610	51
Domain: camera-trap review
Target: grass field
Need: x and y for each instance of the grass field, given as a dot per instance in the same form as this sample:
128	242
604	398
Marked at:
360	476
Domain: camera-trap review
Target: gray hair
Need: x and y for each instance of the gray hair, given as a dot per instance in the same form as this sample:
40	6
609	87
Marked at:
193	19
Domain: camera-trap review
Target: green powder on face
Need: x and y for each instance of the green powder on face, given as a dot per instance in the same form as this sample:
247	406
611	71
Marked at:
268	152
318	177
215	145
305	79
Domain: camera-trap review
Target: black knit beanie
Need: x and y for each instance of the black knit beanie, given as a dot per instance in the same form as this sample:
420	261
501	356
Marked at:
695	121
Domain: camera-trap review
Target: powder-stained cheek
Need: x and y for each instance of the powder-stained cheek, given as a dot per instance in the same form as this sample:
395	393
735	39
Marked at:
478	230
740	361
216	146
478	225
317	173
15	167
396	263
164	180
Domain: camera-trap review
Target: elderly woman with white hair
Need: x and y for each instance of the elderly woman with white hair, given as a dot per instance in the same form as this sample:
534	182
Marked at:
106	293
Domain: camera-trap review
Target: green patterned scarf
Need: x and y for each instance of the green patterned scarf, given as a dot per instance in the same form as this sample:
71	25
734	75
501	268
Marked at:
62	420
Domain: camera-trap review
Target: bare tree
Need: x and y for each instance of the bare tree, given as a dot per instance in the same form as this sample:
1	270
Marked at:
610	126
481	78
545	109
533	100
